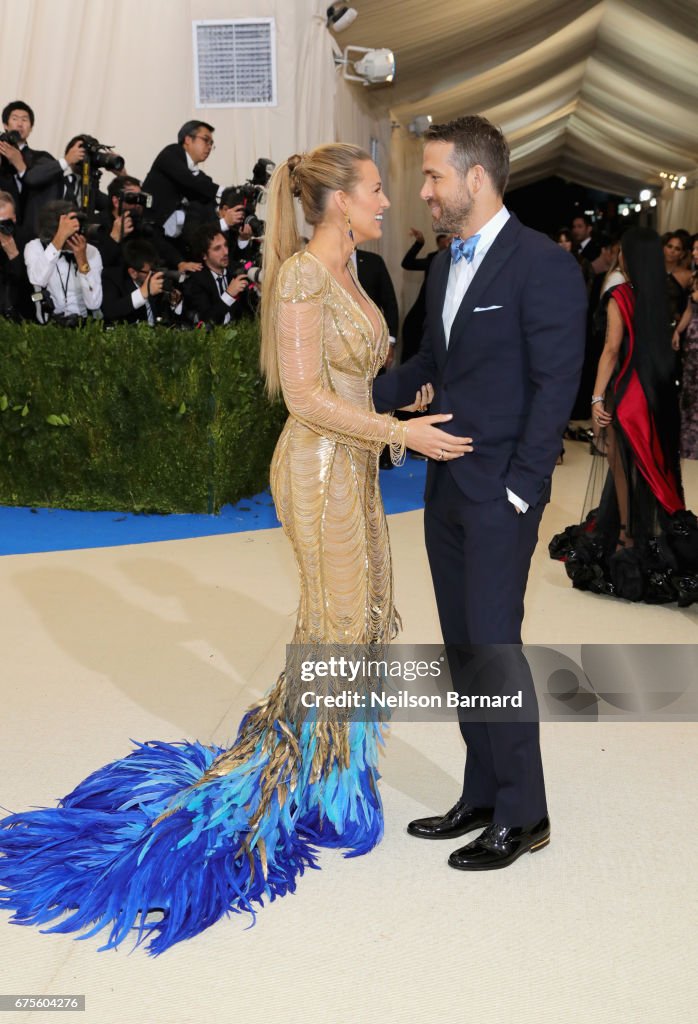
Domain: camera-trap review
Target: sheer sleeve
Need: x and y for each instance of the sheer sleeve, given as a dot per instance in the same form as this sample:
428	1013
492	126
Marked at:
303	287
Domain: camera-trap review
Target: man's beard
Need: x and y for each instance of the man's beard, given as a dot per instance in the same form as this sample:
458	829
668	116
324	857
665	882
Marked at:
454	215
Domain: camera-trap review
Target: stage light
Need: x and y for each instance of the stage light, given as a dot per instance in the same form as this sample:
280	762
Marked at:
340	16
645	195
372	67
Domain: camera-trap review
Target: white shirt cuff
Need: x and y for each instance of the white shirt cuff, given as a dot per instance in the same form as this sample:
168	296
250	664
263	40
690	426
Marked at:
517	501
137	299
65	165
228	299
223	225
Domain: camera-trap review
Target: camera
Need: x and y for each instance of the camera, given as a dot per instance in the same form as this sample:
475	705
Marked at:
251	193
251	268
82	220
170	279
143	199
101	157
12	138
7	227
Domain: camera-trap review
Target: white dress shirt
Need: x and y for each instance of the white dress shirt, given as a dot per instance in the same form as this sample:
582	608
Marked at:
462	272
222	285
72	293
460	277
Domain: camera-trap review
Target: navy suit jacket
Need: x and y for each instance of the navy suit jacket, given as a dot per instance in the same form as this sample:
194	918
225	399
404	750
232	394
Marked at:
511	369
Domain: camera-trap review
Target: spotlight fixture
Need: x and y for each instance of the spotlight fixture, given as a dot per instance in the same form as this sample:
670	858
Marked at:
645	195
371	67
420	125
340	16
675	180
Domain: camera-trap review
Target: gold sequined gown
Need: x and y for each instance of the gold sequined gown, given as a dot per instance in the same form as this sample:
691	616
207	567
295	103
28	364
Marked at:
196	832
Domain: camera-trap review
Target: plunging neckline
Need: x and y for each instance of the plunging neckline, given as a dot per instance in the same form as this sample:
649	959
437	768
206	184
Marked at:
367	318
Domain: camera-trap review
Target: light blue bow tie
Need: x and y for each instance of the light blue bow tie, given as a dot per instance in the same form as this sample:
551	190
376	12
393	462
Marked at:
461	248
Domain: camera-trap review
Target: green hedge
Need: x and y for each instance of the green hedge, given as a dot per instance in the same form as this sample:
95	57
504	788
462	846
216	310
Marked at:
133	418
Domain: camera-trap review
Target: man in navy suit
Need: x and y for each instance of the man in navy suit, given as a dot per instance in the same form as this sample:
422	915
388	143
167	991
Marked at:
503	347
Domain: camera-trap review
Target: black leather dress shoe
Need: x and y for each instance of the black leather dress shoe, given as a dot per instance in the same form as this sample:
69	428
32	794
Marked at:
500	845
460	819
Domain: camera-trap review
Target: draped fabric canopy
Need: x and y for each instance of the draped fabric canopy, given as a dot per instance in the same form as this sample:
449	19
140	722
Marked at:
601	93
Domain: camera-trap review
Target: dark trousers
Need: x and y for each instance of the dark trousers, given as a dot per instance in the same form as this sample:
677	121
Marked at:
479	556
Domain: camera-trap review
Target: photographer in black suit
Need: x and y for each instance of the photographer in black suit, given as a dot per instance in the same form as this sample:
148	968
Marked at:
15	301
27	174
134	290
177	183
127	218
212	295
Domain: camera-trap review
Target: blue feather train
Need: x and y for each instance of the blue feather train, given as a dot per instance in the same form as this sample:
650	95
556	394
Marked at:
160	843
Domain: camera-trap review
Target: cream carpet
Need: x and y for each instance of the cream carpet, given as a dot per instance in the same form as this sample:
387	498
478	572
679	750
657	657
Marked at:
175	639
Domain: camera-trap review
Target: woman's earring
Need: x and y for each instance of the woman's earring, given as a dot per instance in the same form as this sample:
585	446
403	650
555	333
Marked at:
347	221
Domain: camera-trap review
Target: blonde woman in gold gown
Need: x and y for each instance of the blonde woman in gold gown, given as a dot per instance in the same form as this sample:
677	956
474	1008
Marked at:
174	836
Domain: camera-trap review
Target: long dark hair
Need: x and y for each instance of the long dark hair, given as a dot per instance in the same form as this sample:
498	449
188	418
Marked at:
654	358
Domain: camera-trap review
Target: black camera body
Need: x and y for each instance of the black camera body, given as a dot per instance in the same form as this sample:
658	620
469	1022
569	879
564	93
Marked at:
251	193
170	279
7	227
12	138
100	157
143	199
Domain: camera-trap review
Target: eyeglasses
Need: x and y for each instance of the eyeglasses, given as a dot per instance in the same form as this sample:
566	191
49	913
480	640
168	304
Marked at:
207	140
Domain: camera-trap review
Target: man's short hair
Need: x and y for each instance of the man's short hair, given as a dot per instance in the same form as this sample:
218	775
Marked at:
75	138
475	141
230	196
118	184
190	128
202	237
7	197
137	252
585	217
17	105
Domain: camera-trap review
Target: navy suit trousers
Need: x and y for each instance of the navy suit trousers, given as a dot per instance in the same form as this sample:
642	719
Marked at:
479	555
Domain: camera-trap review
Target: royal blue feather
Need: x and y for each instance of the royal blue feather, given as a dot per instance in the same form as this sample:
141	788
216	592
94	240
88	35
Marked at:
102	860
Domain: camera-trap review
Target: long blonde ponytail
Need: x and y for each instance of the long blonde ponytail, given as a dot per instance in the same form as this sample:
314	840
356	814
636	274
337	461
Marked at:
281	240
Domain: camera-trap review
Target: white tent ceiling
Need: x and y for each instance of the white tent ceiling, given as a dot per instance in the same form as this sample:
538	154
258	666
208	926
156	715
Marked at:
603	93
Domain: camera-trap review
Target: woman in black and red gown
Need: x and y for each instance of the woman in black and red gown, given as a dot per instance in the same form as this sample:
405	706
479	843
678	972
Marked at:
640	542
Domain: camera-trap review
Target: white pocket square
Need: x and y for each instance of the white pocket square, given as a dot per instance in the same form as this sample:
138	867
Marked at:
485	309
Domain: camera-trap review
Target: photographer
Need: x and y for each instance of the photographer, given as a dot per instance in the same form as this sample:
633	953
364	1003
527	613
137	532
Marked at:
15	302
81	150
27	174
127	218
177	183
135	291
62	265
212	295
238	229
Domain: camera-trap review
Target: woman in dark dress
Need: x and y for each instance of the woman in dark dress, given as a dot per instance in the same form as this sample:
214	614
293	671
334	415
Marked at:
640	543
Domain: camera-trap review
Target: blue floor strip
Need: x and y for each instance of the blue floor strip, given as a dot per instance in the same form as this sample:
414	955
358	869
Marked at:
29	530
